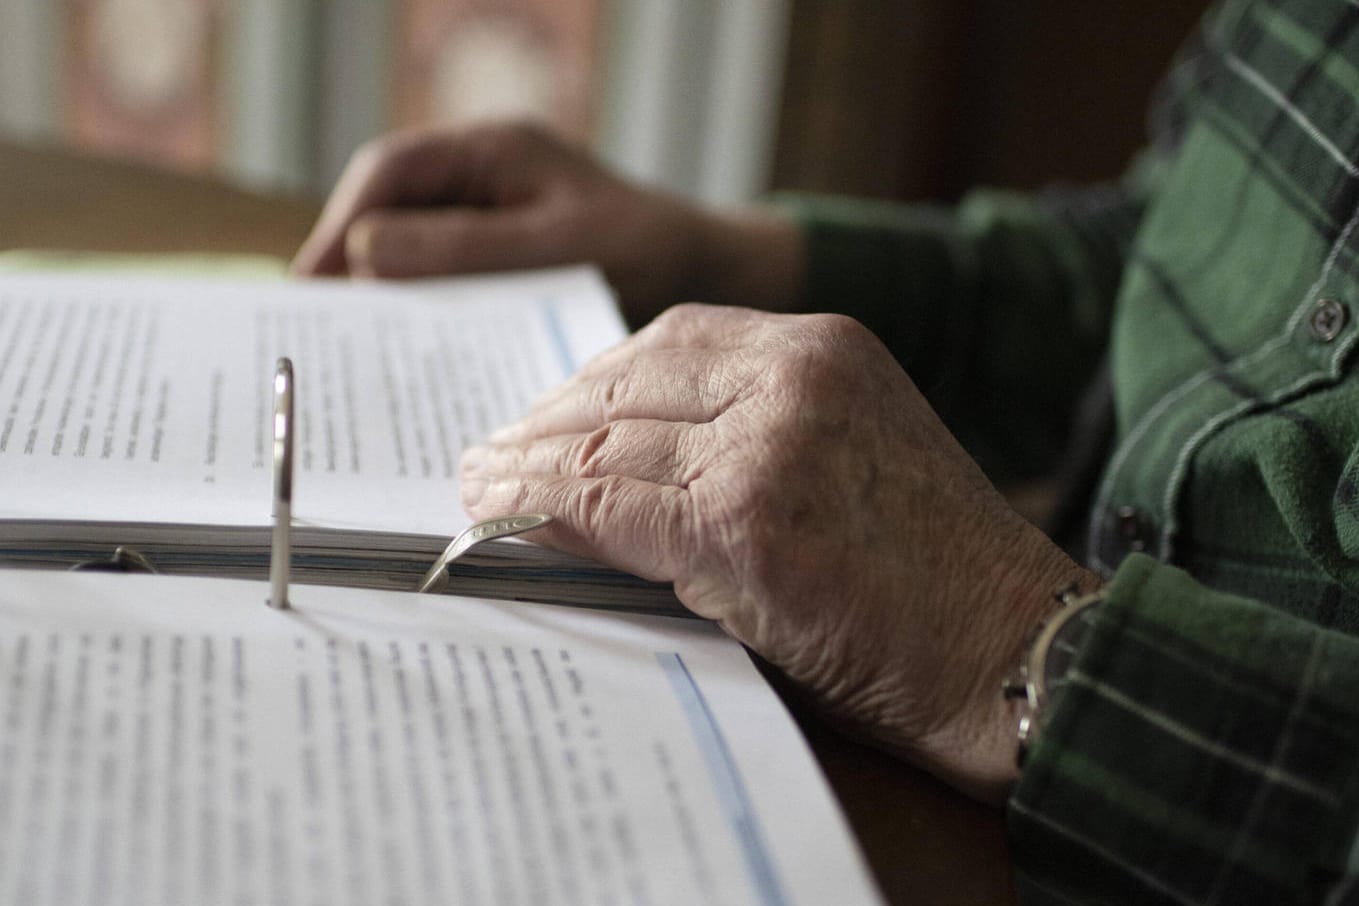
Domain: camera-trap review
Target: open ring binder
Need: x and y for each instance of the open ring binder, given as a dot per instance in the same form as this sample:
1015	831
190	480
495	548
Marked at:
173	462
435	580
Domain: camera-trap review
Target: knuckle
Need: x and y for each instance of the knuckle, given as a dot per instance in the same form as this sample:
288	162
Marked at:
664	325
370	155
590	453
821	353
688	311
389	162
509	141
839	337
611	389
598	502
830	324
386	152
675	322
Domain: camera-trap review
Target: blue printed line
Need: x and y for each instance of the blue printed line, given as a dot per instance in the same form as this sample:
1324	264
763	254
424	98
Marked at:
731	790
553	320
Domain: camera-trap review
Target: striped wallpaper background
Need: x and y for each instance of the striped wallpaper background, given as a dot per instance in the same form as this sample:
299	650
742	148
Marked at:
277	93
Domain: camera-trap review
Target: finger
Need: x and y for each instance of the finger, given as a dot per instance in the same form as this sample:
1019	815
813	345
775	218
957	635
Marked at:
633	525
394	243
477	167
656	451
676	385
380	174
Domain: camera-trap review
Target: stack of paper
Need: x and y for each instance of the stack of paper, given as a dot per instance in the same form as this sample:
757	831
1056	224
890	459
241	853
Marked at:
136	411
174	740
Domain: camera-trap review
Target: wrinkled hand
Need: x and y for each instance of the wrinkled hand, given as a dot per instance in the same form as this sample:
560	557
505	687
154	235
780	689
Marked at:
787	476
504	196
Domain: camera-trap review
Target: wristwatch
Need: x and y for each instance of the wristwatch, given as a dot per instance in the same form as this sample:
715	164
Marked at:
1051	648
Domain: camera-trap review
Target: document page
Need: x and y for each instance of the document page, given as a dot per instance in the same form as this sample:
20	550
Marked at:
176	741
141	399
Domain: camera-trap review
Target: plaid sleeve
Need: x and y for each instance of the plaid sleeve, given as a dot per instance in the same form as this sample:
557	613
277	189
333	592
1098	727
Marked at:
968	298
1204	749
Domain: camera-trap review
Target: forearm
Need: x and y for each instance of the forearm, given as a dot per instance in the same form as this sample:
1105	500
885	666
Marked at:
753	257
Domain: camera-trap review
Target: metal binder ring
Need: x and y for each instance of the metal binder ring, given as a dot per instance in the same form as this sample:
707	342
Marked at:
280	555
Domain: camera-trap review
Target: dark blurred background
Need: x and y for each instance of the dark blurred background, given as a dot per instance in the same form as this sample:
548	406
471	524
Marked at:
923	98
719	99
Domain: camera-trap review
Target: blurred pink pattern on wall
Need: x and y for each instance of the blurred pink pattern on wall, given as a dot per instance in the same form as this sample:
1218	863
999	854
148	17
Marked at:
463	60
145	78
140	79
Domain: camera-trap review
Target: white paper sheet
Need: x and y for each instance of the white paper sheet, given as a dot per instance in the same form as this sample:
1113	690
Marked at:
175	741
139	399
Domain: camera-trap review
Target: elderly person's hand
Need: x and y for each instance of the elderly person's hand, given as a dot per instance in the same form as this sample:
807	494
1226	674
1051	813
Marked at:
787	476
504	196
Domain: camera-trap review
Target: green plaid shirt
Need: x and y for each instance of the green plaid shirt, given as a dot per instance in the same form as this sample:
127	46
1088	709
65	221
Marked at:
1205	748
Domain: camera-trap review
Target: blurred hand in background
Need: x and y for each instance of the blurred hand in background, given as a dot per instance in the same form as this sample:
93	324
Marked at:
506	196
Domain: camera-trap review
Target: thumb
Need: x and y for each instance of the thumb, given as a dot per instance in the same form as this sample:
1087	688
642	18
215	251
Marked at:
630	524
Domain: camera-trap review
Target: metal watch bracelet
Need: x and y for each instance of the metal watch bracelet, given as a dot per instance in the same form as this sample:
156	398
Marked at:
1049	652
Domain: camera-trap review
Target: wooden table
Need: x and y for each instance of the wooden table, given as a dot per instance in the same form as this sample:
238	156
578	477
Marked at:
926	843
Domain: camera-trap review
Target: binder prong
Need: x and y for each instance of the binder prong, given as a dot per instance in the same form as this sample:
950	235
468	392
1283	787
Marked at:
280	556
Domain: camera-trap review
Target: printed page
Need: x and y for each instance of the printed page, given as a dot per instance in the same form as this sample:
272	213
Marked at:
176	741
150	399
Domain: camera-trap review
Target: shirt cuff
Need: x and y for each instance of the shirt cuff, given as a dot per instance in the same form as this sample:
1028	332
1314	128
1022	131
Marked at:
1205	748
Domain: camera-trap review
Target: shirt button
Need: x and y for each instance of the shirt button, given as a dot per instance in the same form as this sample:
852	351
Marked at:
1327	319
1132	528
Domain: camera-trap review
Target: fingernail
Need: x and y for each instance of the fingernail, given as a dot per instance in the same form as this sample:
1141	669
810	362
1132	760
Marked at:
473	489
473	460
503	434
